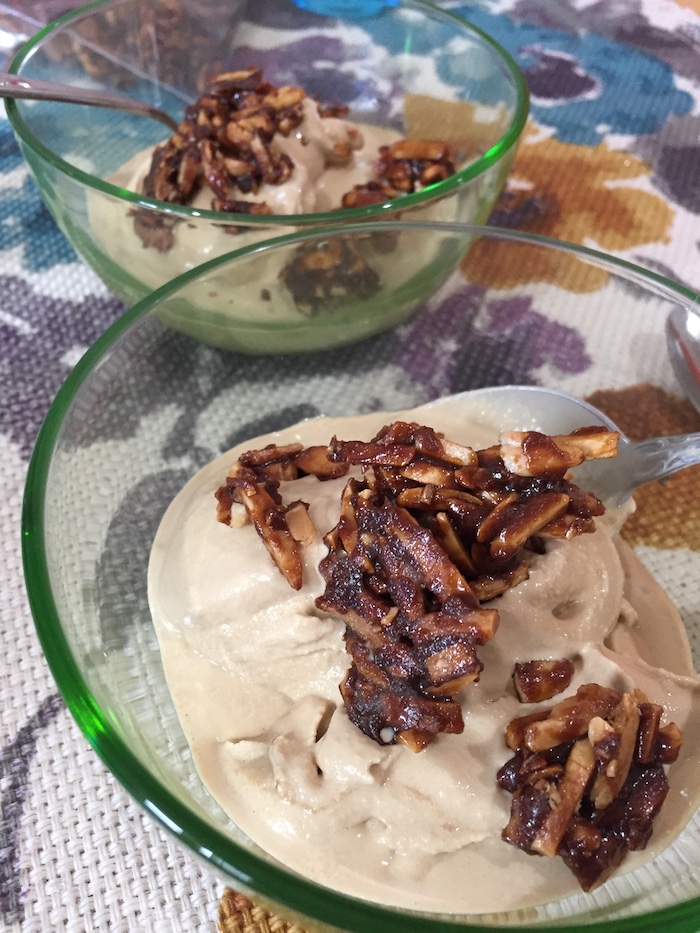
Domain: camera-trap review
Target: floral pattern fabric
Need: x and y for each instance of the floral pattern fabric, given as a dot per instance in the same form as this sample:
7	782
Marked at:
610	159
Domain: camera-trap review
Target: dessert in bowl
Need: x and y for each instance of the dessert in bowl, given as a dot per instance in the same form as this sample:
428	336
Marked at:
410	74
149	407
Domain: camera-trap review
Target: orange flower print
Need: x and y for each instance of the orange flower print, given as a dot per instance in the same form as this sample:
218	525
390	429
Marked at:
690	4
576	193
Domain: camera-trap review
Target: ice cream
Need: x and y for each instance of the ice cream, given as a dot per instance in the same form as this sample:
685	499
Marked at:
249	148
315	186
253	667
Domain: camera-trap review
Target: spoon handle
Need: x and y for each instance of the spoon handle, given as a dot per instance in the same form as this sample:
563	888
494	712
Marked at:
659	457
31	89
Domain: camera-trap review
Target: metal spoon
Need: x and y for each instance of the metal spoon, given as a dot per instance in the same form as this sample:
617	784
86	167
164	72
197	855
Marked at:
554	412
683	341
32	89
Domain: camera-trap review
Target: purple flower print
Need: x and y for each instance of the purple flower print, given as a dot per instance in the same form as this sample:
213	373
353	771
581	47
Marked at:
468	341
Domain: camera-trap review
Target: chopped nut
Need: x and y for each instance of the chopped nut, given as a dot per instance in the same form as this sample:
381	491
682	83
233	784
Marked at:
530	453
511	523
649	722
569	719
565	802
594	796
315	461
668	743
301	528
609	780
536	681
431	532
270	454
260	499
488	586
324	274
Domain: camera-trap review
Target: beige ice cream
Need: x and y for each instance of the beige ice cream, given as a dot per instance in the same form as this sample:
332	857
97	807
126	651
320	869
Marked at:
330	156
254	667
317	184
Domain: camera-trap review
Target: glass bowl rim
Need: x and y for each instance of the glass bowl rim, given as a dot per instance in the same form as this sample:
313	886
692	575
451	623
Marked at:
498	151
255	873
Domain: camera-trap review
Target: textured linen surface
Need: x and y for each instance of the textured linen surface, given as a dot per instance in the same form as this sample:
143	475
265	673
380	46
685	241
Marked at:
611	159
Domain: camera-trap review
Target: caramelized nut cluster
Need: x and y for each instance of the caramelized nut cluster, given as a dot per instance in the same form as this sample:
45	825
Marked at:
588	778
433	530
225	142
325	273
402	168
253	482
428	531
536	681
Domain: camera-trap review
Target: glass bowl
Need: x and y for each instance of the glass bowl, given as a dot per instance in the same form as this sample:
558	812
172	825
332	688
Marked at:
410	68
148	406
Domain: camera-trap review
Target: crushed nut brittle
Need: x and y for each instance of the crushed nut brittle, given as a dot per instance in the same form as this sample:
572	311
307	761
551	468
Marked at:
254	481
226	143
587	779
230	144
323	274
428	532
536	681
402	168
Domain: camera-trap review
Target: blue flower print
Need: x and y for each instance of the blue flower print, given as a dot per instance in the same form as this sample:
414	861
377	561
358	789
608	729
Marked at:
581	84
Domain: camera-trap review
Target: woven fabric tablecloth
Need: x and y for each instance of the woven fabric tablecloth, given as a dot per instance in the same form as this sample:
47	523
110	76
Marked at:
611	159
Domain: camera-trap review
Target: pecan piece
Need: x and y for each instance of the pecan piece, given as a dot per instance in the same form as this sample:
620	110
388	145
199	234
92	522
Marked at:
430	533
593	799
324	274
536	681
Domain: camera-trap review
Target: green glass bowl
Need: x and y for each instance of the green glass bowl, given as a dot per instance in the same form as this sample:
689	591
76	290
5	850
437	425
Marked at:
374	65
147	406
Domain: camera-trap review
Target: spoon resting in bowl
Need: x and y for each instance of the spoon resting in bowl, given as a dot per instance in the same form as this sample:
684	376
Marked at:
31	89
683	342
553	412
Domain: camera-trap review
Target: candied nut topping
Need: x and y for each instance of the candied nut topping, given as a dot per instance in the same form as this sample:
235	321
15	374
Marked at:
402	168
428	531
536	681
225	143
587	779
323	274
529	453
254	481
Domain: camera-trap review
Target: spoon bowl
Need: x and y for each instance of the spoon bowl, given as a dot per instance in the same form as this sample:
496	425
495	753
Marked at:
534	408
683	343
